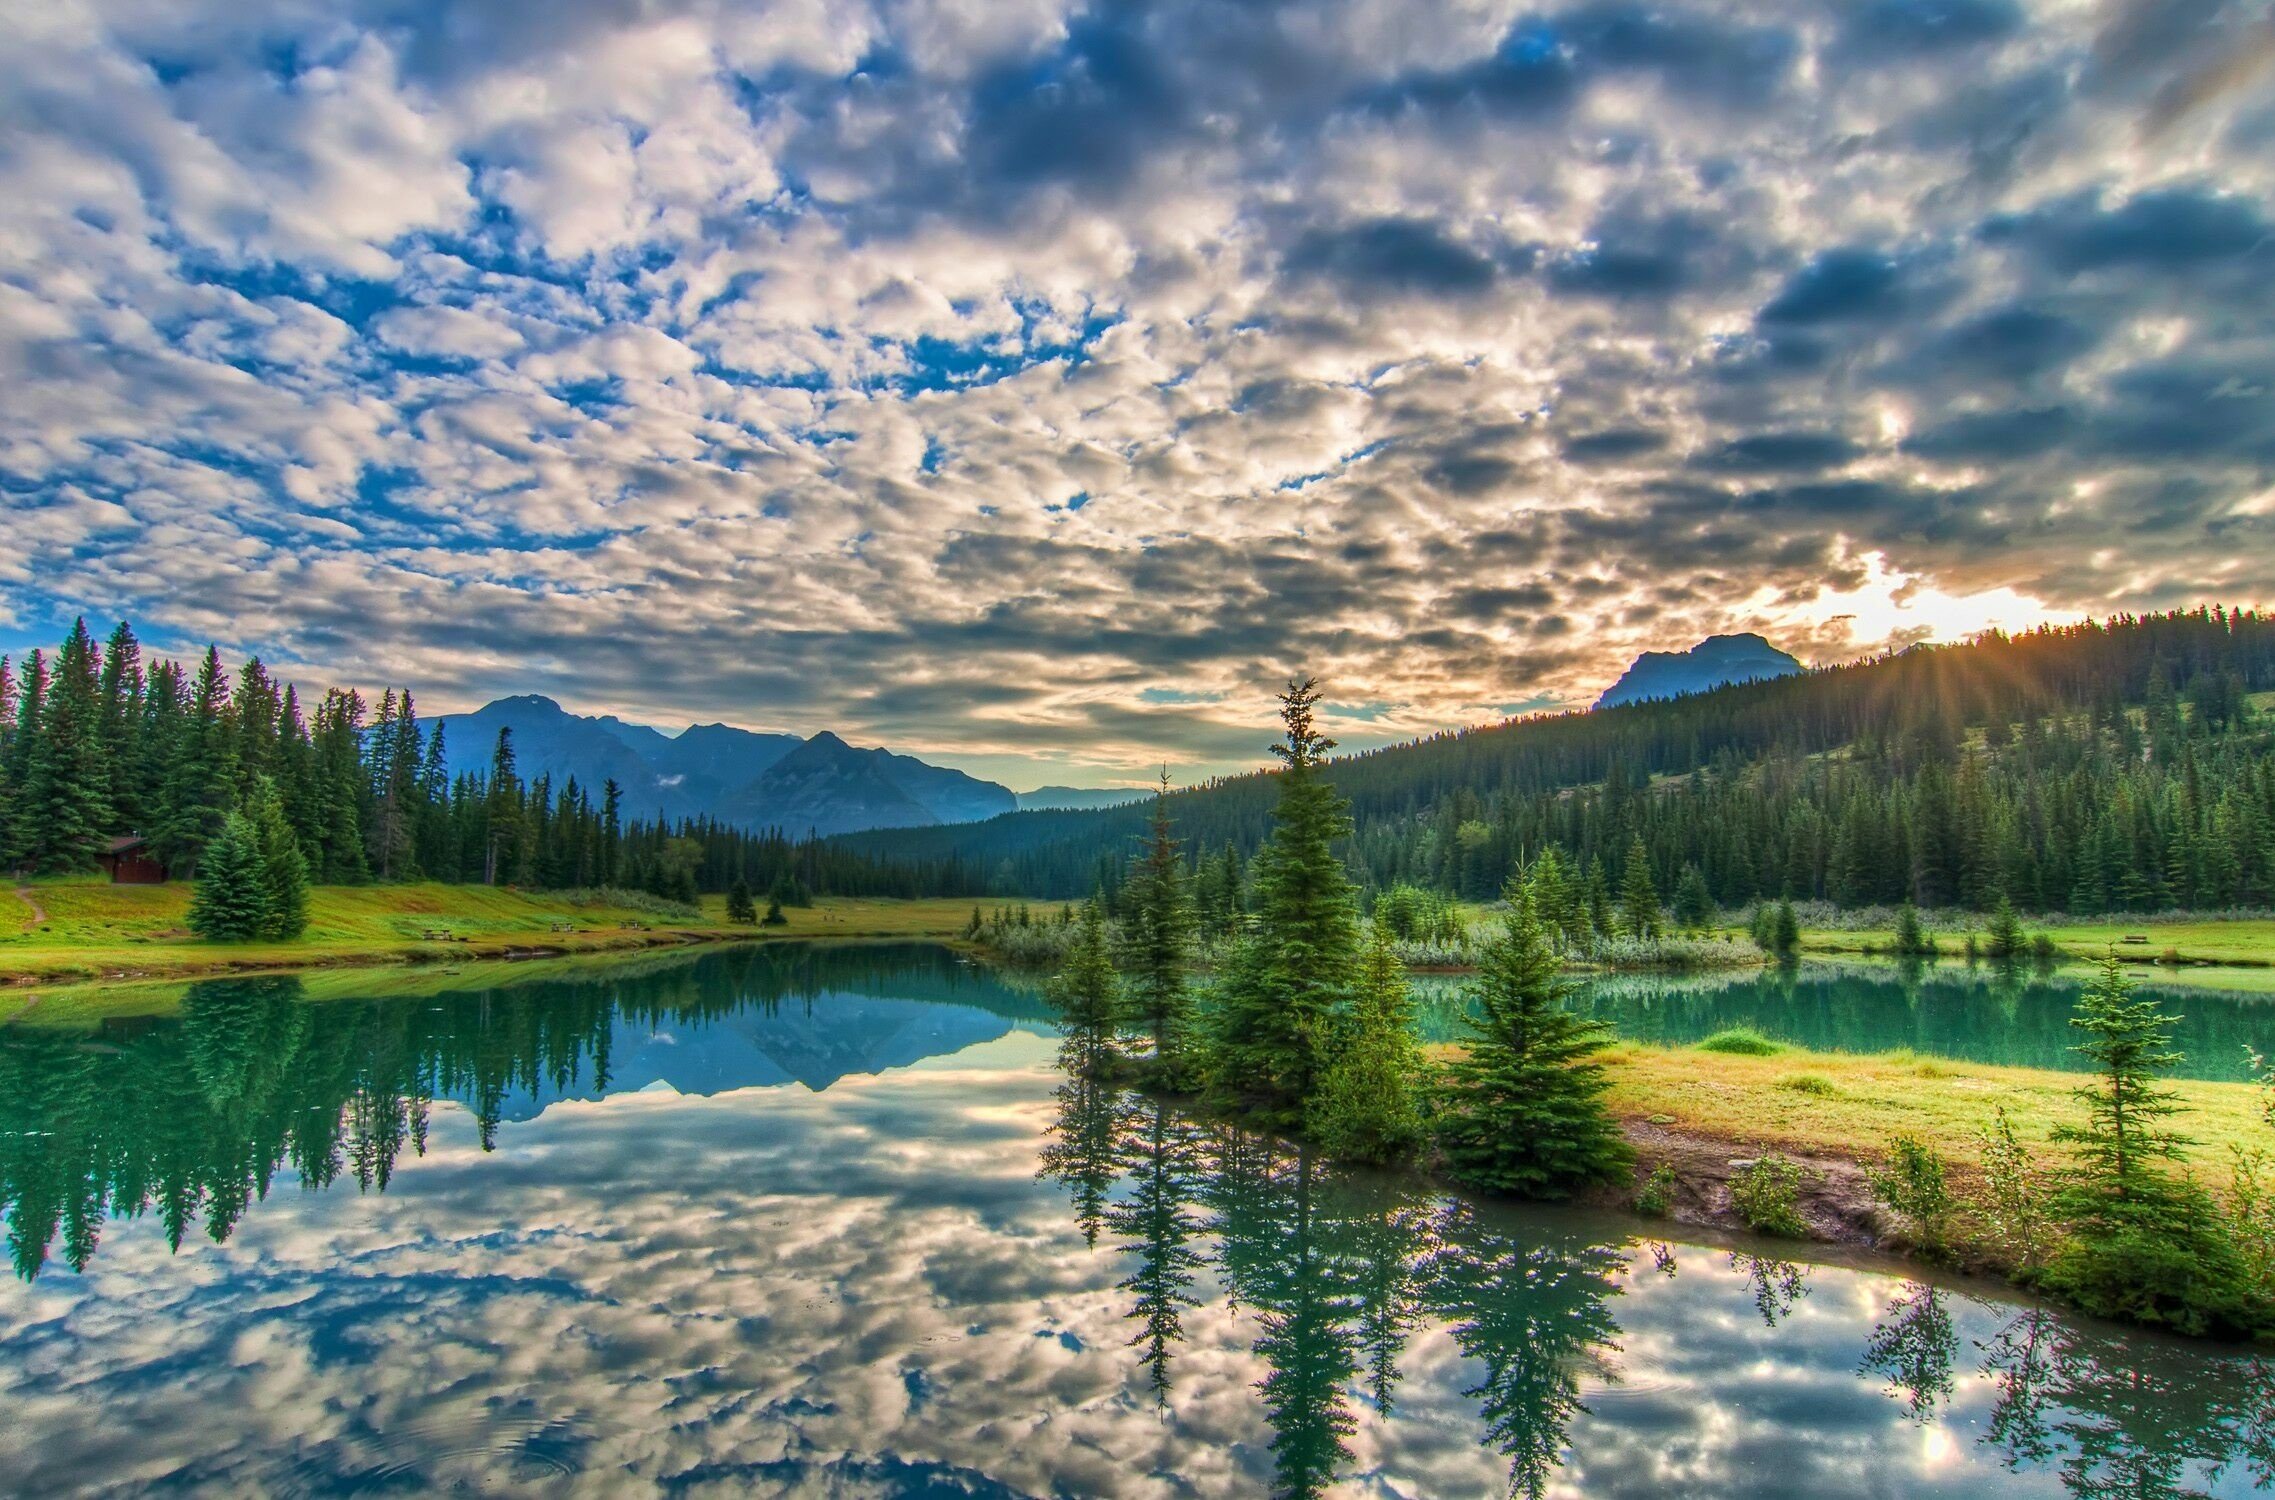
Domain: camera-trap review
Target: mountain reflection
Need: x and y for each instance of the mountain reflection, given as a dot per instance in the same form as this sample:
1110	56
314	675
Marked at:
192	1117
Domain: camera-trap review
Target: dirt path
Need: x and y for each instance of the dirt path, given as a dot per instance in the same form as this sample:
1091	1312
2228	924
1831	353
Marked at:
39	912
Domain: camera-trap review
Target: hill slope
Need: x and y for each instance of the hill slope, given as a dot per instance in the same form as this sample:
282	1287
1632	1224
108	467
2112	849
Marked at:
1717	661
2111	767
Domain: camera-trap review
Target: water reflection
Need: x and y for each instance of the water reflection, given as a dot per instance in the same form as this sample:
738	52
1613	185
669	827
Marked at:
958	1274
2011	1016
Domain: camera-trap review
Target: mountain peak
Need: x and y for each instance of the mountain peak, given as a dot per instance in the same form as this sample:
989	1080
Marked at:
1714	662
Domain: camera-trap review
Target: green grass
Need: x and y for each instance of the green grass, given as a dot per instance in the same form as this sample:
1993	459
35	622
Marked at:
1742	1041
2248	943
60	930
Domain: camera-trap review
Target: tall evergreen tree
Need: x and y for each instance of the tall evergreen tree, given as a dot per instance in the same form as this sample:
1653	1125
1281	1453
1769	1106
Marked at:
1289	980
1086	995
283	867
1156	941
64	807
1366	1107
1638	897
1523	1106
201	771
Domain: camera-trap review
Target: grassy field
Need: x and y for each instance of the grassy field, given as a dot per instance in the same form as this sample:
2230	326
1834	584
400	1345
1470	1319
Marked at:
2241	943
81	930
1843	1105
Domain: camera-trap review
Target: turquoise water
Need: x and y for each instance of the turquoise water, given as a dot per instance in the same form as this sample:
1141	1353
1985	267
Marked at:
1982	1014
829	1222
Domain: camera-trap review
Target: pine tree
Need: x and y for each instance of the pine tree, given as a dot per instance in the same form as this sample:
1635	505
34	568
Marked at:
1638	897
230	904
63	807
740	907
1911	938
1522	1110
2004	939
201	773
1694	903
2143	1244
1365	1108
1289	979
283	867
1086	996
774	917
1785	931
1156	942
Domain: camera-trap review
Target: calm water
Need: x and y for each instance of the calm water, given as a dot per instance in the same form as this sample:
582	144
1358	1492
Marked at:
815	1222
2014	1017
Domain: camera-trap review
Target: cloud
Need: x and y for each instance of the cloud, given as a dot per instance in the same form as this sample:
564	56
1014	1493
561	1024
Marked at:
695	364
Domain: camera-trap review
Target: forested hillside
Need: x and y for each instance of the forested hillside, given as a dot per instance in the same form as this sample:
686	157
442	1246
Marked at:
96	743
2101	767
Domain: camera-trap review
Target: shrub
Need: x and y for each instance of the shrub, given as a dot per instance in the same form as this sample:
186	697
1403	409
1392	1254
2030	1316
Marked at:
1658	1192
1816	1084
1742	1041
1913	1185
2013	1207
626	900
1766	1195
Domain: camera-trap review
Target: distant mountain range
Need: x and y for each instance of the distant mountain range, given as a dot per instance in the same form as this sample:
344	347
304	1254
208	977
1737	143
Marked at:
1714	662
739	776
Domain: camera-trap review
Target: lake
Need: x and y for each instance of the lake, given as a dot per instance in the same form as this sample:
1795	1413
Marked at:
813	1221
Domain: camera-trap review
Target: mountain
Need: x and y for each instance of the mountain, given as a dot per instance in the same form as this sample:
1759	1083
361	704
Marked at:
738	776
1046	798
1714	662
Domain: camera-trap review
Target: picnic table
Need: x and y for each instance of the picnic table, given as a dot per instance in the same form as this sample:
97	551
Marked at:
437	935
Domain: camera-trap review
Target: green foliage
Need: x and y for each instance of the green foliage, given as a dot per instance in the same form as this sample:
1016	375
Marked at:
2013	1207
1912	1184
774	917
1639	912
2143	1244
230	904
1816	1085
1366	1107
1742	1041
1767	1194
1289	978
283	868
1657	1194
2003	940
1912	940
1694	902
1522	1109
1086	996
1156	941
1416	915
740	906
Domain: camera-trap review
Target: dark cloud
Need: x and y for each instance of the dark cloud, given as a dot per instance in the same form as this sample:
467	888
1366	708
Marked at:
2170	229
1880	31
1392	257
1847	285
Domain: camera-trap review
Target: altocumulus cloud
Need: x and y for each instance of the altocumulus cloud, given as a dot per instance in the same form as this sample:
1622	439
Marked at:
955	371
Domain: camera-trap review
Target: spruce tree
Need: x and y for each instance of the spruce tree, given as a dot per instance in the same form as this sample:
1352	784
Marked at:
1156	942
284	868
1785	931
230	903
1522	1109
1638	897
2143	1243
1086	996
63	808
1289	979
740	907
1911	938
1366	1106
201	774
2004	938
1694	903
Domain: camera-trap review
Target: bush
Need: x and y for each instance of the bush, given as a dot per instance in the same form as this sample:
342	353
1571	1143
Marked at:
1766	1196
1658	1192
627	900
1816	1084
1742	1041
2161	1256
1913	1185
2013	1207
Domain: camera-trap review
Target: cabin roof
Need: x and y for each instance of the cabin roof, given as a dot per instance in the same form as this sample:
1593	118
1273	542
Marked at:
125	843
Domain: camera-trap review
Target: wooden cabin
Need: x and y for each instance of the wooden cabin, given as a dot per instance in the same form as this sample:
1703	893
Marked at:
129	860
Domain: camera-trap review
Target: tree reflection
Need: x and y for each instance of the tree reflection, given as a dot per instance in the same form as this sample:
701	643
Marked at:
191	1118
1912	1348
1778	1285
1158	1224
2118	1416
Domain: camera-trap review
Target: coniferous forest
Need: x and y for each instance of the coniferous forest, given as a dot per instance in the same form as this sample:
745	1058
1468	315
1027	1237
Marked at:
2105	767
97	742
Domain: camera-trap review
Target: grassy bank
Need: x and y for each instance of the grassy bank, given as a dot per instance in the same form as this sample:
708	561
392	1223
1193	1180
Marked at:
2243	943
64	931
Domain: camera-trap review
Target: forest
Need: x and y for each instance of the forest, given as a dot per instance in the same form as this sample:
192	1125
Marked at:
98	742
2104	767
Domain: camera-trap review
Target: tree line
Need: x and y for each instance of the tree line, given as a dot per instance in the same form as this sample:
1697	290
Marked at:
96	741
2103	767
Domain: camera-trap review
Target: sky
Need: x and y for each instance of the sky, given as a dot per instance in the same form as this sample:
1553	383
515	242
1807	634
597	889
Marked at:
1035	387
